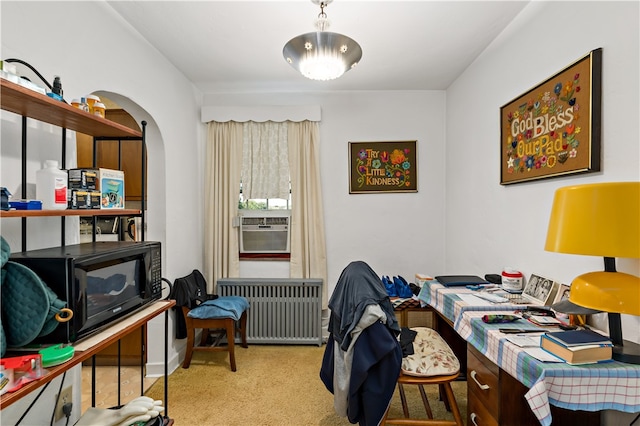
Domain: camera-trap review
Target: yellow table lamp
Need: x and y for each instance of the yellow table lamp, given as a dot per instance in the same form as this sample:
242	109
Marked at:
601	219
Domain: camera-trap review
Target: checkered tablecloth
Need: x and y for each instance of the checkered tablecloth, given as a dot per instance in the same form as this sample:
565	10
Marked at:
607	386
446	300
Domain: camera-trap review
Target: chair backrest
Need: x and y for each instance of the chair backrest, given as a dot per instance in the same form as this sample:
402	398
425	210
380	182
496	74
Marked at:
358	287
190	290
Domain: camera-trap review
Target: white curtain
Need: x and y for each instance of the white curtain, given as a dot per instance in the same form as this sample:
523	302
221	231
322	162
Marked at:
265	161
223	172
308	246
222	186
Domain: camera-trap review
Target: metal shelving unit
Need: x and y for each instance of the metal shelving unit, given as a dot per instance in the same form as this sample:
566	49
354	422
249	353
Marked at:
33	105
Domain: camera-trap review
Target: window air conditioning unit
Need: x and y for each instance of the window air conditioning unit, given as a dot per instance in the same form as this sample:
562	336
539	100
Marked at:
264	234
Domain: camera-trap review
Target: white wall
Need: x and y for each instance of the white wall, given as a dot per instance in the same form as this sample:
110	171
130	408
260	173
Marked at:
486	226
490	226
397	233
116	61
92	50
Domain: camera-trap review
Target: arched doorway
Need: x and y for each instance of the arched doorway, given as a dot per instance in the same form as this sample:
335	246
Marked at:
125	155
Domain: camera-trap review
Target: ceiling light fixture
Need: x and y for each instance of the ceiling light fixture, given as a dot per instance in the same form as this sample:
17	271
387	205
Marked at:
322	55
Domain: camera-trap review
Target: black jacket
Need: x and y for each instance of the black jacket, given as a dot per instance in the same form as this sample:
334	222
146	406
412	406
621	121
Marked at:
377	359
189	291
357	287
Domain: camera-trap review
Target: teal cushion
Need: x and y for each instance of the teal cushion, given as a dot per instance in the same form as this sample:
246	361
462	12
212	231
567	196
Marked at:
29	306
222	307
3	336
5	251
24	304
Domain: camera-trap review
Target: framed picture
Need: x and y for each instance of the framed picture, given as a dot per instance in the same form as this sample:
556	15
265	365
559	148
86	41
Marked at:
541	290
563	293
383	167
554	128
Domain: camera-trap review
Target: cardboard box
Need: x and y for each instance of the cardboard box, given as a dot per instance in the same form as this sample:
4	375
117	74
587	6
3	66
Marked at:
86	179
82	199
421	279
83	182
111	185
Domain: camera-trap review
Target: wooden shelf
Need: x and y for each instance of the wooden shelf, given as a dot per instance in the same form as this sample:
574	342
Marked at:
90	346
80	212
26	102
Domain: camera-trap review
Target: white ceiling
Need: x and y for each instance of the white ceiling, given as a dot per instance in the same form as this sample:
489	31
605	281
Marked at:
236	46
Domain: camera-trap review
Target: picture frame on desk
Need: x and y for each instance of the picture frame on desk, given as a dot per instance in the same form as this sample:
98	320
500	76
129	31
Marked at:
541	289
562	294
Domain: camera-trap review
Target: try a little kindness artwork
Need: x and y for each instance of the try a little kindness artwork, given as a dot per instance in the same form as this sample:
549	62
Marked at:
554	129
382	167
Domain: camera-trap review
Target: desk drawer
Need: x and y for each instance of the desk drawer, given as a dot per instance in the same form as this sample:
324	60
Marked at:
482	380
477	414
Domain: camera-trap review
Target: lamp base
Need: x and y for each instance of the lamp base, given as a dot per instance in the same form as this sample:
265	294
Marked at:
629	352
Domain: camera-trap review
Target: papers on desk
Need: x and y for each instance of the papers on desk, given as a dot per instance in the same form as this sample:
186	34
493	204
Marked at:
525	341
472	300
542	355
543	320
531	345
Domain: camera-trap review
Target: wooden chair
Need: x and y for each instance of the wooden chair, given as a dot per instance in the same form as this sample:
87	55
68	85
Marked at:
197	309
433	363
221	326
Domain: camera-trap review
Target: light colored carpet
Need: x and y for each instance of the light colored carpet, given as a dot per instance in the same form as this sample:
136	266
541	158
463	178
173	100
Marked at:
273	385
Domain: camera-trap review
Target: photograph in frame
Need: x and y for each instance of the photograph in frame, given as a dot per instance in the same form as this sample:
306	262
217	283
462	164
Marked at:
541	289
563	293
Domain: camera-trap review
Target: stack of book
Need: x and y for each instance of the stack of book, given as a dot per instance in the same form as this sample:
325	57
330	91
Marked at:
578	346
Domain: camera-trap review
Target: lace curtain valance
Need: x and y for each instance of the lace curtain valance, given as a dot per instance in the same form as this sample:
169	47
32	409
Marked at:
241	114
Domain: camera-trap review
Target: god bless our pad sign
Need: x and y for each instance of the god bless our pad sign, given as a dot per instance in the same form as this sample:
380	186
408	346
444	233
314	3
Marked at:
382	167
554	129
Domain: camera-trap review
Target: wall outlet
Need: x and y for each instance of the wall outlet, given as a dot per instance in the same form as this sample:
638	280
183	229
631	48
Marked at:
65	397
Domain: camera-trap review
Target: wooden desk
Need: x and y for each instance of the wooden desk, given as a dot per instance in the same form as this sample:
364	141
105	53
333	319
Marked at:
90	346
503	403
522	390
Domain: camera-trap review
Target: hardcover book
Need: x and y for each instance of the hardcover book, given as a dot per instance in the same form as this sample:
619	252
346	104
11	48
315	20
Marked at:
580	354
578	337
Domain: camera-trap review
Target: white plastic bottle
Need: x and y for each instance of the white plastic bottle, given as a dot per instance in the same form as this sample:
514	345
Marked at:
51	186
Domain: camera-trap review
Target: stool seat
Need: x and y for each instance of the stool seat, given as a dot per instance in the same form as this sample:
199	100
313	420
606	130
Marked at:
226	315
432	363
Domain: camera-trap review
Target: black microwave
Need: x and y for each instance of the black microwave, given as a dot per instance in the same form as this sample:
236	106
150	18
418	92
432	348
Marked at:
101	282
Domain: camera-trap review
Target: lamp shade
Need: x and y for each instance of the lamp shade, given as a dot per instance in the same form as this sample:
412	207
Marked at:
600	219
322	55
607	291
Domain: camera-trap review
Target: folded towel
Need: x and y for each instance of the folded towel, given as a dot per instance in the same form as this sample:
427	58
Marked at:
222	307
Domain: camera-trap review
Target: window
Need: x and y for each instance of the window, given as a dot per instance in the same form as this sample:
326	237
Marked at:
265	191
251	240
264	203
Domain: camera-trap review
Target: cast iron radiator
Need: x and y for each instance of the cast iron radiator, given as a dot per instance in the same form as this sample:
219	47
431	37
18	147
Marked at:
283	310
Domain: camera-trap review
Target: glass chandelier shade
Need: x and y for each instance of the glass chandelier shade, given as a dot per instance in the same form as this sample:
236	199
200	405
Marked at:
322	55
